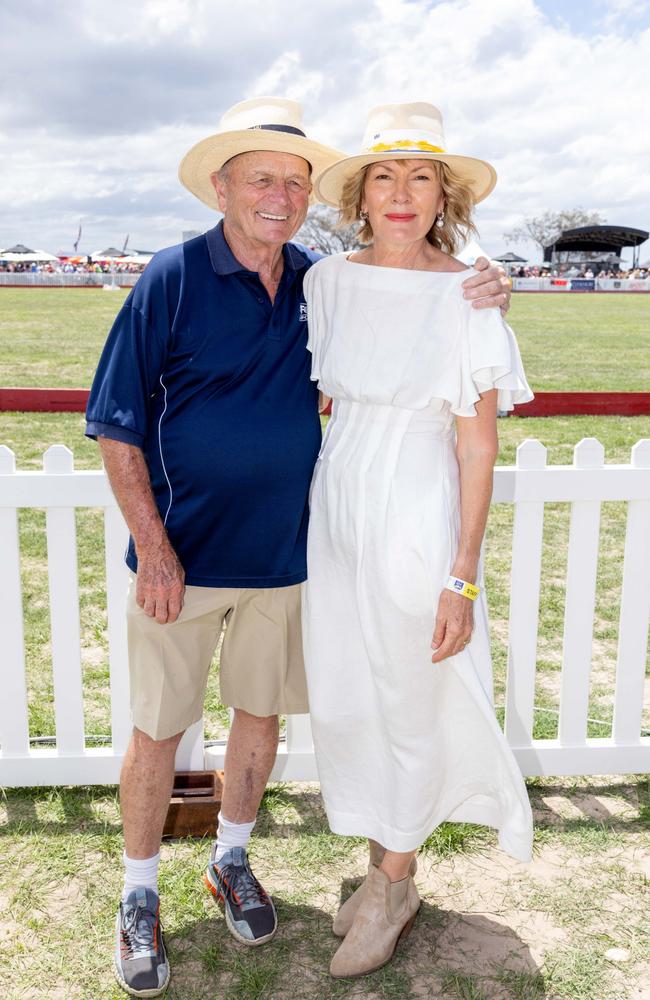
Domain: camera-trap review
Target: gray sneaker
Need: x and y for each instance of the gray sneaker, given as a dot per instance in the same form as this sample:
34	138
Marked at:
141	965
250	913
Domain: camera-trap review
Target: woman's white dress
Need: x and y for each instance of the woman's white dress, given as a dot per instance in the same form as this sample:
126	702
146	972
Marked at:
401	744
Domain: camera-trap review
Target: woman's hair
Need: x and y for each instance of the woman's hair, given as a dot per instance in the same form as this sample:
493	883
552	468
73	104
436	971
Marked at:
458	207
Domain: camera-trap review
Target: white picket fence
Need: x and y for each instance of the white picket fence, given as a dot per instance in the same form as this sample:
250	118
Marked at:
528	485
67	279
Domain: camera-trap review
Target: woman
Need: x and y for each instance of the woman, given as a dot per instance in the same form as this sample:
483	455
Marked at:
404	738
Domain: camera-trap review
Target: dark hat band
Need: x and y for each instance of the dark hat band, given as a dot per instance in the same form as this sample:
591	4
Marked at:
279	128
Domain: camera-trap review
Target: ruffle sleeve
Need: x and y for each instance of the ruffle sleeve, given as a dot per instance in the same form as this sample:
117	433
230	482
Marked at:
490	360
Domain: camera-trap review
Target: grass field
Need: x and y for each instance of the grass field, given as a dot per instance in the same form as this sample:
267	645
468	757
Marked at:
490	929
53	336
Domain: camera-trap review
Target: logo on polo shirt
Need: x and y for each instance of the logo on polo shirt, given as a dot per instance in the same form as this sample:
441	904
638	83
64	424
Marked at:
302	316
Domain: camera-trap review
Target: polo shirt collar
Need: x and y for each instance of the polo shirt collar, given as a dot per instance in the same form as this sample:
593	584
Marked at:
224	261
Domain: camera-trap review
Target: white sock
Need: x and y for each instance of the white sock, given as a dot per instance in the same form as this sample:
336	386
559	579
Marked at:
231	835
140	873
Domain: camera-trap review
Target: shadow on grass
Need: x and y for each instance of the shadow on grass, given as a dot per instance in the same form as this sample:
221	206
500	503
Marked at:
286	811
65	811
592	803
443	946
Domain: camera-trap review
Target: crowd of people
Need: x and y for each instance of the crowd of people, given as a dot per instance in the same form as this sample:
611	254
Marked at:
65	266
546	271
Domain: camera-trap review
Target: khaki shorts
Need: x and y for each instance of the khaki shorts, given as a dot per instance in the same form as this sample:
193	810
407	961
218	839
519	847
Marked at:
261	669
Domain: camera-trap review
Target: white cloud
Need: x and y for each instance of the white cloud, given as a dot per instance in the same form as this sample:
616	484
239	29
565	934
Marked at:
99	102
289	77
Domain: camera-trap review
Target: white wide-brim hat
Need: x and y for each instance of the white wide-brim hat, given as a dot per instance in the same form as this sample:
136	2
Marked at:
262	123
404	132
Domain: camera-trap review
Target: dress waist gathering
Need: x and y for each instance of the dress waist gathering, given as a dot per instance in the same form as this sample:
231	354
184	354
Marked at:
434	422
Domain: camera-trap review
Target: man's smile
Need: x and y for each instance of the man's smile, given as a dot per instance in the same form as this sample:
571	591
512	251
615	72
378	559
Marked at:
273	218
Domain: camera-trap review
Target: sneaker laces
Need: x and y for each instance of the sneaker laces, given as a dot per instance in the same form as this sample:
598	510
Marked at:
138	930
243	885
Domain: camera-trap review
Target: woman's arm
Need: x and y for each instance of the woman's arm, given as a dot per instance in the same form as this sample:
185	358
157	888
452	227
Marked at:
476	449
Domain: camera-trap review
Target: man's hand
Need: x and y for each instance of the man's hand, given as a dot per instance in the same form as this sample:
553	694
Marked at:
160	583
160	580
454	623
489	288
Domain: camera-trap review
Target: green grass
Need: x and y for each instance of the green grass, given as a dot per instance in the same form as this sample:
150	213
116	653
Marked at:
461	986
53	337
587	342
581	973
522	985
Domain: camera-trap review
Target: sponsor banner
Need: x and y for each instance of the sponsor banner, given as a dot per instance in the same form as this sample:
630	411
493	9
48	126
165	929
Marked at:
540	285
623	284
583	284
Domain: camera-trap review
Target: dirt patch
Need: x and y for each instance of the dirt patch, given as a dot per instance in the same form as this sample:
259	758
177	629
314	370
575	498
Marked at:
94	656
9	928
53	993
61	900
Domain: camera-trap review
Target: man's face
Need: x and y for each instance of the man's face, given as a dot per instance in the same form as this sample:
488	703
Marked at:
264	196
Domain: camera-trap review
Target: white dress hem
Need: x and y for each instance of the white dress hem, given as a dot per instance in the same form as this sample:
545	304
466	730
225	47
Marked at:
457	809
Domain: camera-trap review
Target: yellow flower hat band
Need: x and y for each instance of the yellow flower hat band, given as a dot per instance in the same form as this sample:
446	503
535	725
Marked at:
391	147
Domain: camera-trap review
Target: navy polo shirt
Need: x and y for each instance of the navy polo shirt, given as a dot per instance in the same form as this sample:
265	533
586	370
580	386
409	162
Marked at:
211	380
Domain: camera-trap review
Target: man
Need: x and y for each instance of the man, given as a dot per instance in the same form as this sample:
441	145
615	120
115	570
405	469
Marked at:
209	430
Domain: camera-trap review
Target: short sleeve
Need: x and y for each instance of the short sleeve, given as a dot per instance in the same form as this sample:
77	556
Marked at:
490	360
127	375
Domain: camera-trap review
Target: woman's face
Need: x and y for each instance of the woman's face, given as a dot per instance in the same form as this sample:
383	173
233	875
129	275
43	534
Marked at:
402	199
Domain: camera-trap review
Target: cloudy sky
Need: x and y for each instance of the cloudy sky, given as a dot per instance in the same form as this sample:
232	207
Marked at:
99	101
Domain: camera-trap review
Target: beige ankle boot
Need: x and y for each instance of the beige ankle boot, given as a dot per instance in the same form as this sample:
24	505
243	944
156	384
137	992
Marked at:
347	912
385	914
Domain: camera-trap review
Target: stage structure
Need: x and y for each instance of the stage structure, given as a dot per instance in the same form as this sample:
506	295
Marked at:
598	246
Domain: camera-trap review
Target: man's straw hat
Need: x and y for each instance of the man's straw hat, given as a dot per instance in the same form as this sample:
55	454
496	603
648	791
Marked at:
262	123
400	132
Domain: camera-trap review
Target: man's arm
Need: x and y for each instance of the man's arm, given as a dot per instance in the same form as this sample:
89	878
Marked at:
160	578
489	288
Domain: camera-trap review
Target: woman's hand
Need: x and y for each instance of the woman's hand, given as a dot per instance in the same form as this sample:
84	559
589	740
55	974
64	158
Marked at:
454	624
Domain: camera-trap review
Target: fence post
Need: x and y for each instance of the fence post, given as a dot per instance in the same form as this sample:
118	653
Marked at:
14	722
635	613
61	530
524	602
582	568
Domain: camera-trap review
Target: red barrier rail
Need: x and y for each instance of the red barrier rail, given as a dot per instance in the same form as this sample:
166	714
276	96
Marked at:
545	404
44	400
555	404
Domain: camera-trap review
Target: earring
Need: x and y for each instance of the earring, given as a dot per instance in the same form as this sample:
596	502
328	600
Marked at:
363	216
440	220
